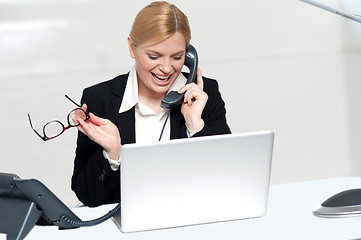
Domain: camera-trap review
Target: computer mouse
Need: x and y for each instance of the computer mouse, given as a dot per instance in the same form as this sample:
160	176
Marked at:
350	197
343	204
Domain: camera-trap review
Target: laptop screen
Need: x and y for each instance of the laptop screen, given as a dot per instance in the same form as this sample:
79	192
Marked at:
192	181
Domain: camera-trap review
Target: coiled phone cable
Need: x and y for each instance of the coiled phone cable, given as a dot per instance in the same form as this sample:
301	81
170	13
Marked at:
77	223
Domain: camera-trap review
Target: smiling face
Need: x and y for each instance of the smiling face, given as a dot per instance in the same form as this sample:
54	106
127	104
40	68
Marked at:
158	64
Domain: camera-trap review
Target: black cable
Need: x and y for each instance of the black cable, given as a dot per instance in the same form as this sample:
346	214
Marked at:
161	133
77	223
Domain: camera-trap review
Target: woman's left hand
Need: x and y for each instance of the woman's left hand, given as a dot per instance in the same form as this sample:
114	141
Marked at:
194	102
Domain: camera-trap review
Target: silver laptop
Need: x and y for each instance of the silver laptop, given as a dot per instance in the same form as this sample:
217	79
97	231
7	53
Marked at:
194	181
332	6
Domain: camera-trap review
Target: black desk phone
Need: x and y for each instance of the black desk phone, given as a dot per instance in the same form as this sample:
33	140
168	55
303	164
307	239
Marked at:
27	202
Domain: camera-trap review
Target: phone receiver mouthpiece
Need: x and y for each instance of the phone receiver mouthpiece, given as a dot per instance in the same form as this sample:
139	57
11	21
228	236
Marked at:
172	100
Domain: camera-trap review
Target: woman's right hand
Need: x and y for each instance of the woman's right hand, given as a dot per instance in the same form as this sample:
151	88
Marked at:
100	130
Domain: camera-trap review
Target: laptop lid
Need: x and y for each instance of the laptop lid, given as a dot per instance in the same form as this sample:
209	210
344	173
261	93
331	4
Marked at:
335	7
193	181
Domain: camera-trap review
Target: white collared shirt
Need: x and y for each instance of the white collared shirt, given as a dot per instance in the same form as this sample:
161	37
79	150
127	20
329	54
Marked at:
148	124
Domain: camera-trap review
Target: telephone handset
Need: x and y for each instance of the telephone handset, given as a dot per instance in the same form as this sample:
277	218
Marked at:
173	99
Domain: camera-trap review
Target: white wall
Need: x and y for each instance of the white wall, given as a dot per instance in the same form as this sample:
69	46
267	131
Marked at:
282	65
352	61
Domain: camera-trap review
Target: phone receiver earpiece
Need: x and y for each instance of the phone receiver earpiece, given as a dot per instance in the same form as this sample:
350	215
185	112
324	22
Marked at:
191	62
173	99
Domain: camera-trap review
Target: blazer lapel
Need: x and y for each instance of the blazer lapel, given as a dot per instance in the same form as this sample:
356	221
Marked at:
177	124
126	125
125	121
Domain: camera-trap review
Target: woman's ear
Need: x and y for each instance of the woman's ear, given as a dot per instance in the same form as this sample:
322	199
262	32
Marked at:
131	46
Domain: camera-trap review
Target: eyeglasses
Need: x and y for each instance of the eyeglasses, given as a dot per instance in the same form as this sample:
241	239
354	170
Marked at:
55	128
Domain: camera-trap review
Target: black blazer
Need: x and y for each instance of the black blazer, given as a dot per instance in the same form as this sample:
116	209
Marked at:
93	181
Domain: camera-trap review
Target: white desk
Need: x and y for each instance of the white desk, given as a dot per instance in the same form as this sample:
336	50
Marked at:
289	216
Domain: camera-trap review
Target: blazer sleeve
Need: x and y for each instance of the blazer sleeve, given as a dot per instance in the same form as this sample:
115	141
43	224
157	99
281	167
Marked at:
214	113
93	181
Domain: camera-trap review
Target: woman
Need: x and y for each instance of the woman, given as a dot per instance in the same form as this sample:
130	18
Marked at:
127	108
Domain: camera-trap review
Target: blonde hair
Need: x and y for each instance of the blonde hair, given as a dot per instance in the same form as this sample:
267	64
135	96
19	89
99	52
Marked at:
158	21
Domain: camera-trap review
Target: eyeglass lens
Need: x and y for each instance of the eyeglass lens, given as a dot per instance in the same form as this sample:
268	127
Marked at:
55	128
76	112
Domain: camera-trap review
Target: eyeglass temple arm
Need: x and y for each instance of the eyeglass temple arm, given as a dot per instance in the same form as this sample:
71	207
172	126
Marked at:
86	113
72	101
31	125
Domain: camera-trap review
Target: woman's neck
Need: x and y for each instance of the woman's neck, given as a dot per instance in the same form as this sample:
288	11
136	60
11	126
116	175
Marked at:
151	102
149	98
